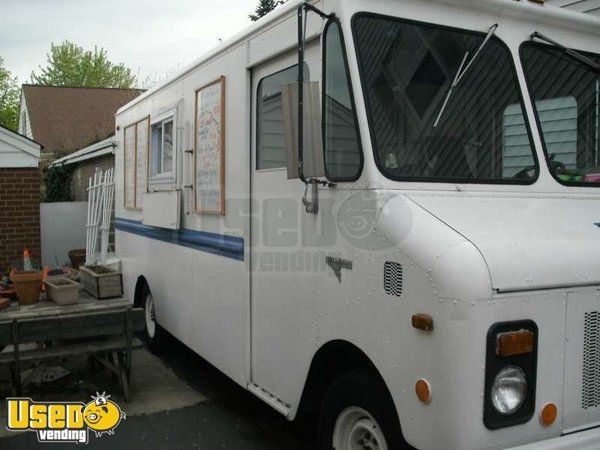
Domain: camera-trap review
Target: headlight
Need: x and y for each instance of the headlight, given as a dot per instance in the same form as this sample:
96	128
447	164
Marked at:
510	374
509	390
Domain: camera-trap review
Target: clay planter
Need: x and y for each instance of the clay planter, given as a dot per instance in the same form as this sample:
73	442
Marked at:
62	290
77	258
8	293
28	286
63	272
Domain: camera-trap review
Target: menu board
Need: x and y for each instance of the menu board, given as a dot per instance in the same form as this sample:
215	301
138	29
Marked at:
129	166
209	148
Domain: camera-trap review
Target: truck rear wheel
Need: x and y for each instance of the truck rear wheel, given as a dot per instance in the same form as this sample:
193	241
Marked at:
153	333
358	413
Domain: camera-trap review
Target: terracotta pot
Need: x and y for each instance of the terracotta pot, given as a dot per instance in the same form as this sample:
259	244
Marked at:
8	293
28	286
77	257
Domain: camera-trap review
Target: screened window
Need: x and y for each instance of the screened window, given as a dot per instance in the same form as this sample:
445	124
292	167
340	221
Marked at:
341	137
270	145
407	70
162	150
566	95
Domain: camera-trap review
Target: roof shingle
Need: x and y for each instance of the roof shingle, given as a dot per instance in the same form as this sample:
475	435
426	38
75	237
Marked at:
65	119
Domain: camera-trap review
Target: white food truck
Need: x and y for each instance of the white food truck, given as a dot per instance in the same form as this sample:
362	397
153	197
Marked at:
383	212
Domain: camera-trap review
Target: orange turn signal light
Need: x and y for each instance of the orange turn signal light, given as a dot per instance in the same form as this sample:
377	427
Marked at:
422	322
549	414
423	391
515	343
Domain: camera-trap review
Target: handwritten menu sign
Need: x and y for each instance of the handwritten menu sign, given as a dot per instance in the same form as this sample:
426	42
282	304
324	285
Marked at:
209	154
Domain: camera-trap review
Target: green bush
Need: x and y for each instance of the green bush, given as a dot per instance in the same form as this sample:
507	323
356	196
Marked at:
58	184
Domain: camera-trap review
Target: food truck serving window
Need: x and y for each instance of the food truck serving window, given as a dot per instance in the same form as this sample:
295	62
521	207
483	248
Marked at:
566	94
422	128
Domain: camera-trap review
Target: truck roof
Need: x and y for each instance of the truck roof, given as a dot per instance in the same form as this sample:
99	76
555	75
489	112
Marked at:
545	13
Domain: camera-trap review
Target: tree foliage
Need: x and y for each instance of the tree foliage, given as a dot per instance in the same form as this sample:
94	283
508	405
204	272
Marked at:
70	65
9	98
265	7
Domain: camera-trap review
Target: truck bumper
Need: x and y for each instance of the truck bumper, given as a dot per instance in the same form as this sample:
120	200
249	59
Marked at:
582	440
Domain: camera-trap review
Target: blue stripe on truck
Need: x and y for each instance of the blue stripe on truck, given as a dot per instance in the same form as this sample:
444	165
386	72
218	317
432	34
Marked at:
218	244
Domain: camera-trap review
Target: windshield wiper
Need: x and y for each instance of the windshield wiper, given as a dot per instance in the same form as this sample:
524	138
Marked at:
462	70
569	51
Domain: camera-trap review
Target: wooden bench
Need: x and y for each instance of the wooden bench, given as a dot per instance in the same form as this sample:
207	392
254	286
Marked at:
102	332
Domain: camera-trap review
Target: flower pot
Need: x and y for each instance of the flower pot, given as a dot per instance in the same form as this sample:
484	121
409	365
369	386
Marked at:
8	293
63	272
62	291
77	257
28	286
101	282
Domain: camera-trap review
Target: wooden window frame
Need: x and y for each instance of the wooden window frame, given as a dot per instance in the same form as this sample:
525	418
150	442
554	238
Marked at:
221	209
135	206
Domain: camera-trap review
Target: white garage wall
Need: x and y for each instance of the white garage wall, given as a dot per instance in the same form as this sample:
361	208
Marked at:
63	228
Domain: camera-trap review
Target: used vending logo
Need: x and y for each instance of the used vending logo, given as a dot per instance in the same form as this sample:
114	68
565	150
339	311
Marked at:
68	422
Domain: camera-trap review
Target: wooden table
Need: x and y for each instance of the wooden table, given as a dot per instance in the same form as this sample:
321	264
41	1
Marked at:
102	330
47	308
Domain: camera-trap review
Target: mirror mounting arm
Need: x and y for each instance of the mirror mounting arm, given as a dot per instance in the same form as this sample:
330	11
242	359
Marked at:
312	205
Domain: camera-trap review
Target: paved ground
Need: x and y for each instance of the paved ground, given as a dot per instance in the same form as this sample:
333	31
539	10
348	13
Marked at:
223	416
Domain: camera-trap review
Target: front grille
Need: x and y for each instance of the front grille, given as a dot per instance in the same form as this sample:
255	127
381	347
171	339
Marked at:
590	392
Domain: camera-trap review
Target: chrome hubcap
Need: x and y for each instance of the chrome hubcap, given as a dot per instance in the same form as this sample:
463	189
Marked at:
356	429
150	316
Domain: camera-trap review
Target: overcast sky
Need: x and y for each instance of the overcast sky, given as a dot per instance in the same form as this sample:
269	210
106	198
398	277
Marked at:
152	37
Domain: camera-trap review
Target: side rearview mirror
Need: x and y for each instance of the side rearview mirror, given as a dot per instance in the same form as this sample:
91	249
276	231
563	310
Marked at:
313	141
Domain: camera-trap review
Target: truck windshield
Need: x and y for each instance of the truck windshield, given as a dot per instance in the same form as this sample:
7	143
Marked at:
566	94
408	69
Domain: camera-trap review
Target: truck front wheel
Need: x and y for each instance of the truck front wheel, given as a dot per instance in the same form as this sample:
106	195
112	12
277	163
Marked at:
358	413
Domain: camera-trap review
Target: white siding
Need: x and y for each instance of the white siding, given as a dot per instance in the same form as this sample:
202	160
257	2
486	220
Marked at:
24	123
17	151
586	6
558	117
516	153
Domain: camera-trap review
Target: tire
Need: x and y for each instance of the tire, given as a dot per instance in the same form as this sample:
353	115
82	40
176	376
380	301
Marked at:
153	334
358	412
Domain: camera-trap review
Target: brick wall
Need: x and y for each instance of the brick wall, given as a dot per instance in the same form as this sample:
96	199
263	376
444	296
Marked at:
19	214
83	171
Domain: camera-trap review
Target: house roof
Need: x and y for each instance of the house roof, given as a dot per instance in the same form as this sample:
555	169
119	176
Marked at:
104	147
21	136
17	150
64	119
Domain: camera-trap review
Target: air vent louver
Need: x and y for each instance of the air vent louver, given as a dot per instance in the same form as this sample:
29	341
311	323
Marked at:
392	278
590	392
